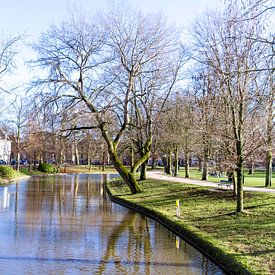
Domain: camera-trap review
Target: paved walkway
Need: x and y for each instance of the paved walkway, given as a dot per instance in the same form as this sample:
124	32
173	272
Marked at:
160	176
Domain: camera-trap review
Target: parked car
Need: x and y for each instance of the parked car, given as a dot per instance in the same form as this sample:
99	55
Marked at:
13	162
23	162
2	162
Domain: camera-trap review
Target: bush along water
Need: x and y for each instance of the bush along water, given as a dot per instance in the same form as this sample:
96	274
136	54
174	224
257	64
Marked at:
6	172
47	168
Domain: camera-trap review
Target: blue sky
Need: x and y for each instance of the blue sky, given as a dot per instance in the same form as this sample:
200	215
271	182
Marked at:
35	16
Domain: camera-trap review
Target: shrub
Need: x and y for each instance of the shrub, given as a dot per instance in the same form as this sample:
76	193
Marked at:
47	168
6	172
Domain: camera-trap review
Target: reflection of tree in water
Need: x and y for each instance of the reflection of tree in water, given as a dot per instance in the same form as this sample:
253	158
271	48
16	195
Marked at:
138	241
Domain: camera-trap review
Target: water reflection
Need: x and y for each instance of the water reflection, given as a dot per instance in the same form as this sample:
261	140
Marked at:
67	225
4	199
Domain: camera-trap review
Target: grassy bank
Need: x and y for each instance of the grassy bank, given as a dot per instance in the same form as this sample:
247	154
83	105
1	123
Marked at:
17	175
248	238
86	169
77	169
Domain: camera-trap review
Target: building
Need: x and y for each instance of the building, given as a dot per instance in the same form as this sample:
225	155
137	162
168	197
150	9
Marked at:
5	147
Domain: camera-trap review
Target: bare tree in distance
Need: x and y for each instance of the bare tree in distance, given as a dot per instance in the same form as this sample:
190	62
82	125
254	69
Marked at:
19	121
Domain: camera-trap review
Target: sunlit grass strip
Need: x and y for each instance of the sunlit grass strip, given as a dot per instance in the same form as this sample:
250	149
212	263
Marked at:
209	217
255	180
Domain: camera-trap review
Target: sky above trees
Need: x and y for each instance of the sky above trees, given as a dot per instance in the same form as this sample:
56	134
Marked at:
31	17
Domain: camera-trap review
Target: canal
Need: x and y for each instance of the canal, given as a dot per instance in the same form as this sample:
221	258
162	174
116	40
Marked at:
67	225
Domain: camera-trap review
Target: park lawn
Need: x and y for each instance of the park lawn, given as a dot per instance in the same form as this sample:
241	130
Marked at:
249	238
255	180
78	169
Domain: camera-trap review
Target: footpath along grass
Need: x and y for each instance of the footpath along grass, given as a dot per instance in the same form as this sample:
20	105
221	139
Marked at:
257	179
249	238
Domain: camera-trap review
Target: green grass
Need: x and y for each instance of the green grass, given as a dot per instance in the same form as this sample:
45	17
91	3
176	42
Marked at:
248	238
86	169
25	170
255	180
79	169
17	175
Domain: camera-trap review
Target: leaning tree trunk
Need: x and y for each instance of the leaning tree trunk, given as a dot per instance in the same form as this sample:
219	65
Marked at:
128	177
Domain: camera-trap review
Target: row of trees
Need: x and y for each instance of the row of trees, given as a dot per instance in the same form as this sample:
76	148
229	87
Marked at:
128	76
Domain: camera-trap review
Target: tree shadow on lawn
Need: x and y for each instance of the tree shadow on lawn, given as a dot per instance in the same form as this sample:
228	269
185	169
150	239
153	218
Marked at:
258	206
255	253
228	214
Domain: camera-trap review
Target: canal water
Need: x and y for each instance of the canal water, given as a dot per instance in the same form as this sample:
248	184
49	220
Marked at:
67	225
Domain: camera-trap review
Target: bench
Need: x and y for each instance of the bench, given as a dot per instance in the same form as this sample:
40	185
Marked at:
226	183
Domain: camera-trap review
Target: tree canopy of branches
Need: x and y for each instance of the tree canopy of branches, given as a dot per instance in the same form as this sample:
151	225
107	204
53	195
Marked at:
120	68
223	47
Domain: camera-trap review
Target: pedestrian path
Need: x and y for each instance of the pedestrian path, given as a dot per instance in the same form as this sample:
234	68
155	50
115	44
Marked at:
158	175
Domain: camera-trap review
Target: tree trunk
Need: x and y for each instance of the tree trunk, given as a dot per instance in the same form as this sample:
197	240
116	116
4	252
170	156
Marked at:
153	164
270	121
18	151
234	185
143	170
76	157
186	164
240	188
176	161
239	170
251	168
169	163
132	156
205	165
17	161
200	164
128	176
165	164
268	173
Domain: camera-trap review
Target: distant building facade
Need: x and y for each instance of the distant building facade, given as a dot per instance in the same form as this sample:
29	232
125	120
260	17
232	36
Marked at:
5	147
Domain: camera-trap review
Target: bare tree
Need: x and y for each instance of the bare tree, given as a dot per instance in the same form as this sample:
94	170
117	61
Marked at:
8	51
99	65
18	111
223	45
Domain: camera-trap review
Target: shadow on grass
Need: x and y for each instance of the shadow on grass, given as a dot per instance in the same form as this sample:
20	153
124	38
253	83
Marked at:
255	253
216	216
258	206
